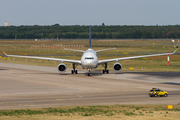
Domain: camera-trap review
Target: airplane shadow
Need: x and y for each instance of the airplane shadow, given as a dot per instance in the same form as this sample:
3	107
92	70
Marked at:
99	73
171	83
45	73
85	73
3	69
160	74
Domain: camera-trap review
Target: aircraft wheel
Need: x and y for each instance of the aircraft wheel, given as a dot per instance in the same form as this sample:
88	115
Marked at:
89	74
76	72
103	71
107	71
72	72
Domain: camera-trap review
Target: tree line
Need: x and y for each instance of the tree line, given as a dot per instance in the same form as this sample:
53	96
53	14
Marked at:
81	32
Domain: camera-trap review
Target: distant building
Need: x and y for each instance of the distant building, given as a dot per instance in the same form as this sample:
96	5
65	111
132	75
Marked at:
6	24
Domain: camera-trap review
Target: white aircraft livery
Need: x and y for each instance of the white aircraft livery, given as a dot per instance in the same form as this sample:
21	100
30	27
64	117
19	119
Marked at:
89	59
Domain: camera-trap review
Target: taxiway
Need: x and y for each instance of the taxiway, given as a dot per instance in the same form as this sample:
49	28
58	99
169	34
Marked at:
28	86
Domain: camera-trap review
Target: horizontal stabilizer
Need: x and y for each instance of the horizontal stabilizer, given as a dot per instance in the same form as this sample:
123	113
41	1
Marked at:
105	49
74	50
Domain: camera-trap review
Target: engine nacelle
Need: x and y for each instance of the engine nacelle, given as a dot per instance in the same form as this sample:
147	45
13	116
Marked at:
117	67
62	67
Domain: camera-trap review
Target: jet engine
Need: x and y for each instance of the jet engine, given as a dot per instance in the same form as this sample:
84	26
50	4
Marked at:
62	67
117	67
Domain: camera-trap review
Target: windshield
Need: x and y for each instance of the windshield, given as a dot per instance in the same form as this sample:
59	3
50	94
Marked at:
89	58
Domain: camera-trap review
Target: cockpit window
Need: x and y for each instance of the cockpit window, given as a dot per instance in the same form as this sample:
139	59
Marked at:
89	58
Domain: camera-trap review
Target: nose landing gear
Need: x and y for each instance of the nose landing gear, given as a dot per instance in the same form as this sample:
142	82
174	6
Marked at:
89	74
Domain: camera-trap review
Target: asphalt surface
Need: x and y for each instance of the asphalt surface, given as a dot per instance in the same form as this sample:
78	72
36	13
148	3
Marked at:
27	86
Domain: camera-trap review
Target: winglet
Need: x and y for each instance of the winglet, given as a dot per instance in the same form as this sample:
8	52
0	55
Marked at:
175	51
5	53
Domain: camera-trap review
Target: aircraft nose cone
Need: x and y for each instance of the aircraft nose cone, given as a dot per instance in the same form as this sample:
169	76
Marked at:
89	64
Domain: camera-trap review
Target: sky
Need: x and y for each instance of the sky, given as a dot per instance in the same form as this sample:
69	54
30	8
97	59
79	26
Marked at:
90	12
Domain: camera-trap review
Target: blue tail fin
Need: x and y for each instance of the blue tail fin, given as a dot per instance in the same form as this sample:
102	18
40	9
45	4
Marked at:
89	36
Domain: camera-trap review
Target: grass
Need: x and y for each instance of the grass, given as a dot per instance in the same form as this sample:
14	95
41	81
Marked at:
94	112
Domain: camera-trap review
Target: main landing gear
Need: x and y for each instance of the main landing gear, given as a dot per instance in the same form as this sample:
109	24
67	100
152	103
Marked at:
105	69
74	71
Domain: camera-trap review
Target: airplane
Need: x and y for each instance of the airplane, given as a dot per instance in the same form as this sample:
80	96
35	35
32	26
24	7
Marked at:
89	59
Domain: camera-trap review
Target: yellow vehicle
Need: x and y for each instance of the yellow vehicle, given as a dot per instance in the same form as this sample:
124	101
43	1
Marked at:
154	92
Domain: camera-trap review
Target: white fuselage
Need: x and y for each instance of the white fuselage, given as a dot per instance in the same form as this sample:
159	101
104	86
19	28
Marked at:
89	59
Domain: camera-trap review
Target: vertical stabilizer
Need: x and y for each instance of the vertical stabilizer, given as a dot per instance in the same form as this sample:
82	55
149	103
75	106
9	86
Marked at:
89	36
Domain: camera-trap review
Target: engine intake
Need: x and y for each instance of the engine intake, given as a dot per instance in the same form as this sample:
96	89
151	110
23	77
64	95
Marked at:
117	67
62	67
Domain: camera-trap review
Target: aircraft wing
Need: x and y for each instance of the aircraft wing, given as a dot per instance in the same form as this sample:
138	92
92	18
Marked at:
133	57
45	58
